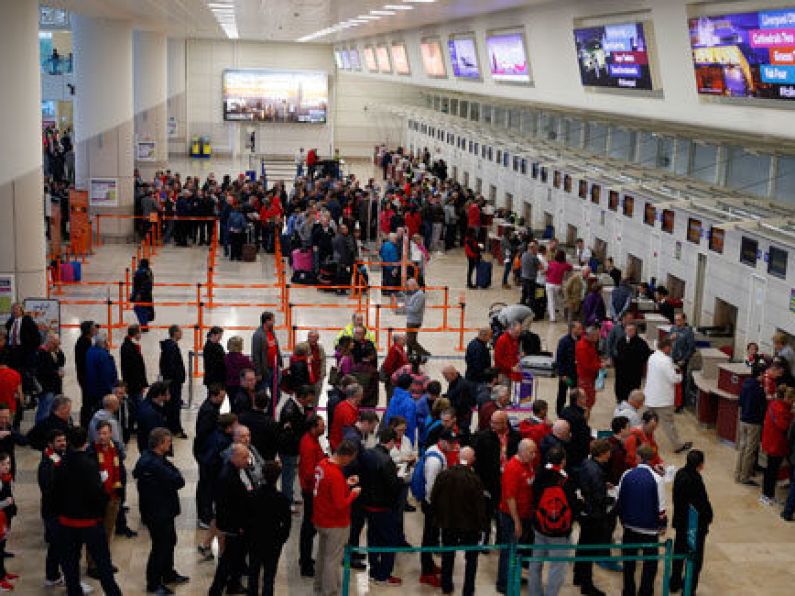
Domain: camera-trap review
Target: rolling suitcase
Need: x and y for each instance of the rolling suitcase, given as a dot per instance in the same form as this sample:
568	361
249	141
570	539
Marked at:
484	274
302	260
249	253
77	267
67	272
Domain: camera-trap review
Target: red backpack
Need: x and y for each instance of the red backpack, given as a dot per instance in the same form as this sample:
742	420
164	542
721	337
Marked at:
553	513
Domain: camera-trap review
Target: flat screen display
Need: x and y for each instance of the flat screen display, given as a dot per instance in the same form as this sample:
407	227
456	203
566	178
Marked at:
556	179
508	57
464	57
346	60
668	218
694	230
582	189
649	214
369	59
629	206
613	56
356	63
544	174
612	200
748	249
279	96
534	170
596	193
382	58
749	54
777	262
716	238
400	59
567	183
338	58
433	58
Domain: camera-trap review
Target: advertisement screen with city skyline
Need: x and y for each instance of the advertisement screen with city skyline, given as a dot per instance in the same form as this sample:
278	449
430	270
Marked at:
613	56
278	96
508	57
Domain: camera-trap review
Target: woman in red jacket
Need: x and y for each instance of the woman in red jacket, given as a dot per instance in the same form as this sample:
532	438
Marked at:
588	364
396	358
774	439
506	354
473	251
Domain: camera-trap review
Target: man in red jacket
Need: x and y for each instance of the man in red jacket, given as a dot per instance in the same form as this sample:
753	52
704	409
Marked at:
774	439
395	359
334	495
310	454
346	414
588	364
506	354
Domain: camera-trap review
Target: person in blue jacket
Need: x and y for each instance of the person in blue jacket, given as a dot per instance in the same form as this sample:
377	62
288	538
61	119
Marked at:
101	375
565	364
402	404
390	254
151	413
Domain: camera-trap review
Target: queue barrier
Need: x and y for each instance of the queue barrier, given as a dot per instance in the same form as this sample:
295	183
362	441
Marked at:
517	556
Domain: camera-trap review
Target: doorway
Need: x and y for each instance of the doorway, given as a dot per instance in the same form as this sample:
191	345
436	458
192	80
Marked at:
466	180
509	201
527	214
492	194
698	298
478	185
634	268
571	235
756	309
676	287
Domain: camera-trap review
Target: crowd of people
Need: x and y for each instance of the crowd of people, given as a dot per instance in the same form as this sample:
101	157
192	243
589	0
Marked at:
449	450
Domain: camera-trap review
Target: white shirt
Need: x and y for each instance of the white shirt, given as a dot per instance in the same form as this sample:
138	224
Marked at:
432	469
401	454
299	158
661	381
541	276
583	255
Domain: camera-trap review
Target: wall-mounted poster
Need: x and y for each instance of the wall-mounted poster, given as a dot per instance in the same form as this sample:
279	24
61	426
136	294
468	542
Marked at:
356	63
8	293
382	58
369	59
46	312
613	56
145	150
749	54
103	192
172	127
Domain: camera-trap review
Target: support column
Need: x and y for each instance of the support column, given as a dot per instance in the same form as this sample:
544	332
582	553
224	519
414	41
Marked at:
103	113
22	234
149	99
177	98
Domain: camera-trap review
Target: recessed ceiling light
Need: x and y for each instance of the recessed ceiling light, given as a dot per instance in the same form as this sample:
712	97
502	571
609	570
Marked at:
419	1
398	7
383	13
368	17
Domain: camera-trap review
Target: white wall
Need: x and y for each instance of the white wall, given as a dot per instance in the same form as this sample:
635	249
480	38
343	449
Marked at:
351	127
556	77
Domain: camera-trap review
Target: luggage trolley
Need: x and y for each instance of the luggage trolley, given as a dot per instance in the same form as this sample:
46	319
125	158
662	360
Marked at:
532	369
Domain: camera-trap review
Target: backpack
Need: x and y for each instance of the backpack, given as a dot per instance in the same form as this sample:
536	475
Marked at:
430	424
418	476
553	513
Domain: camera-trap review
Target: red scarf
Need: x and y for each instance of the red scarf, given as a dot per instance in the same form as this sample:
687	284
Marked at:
108	460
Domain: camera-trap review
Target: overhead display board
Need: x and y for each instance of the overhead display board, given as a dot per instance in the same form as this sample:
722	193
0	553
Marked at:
613	56
748	54
507	55
400	59
464	56
369	59
356	63
278	96
433	58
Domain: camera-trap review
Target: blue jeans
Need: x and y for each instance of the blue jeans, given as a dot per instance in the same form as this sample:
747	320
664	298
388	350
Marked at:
507	273
299	170
557	571
44	407
289	467
790	504
382	530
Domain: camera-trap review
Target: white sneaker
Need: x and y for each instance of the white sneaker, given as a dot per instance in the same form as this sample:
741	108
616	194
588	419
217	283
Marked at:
51	583
86	588
763	500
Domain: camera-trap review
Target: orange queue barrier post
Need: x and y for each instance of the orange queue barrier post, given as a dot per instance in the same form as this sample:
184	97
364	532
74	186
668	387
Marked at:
121	301
461	328
446	303
377	325
127	288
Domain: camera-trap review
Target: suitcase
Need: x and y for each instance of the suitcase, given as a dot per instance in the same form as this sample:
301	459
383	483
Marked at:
484	274
77	267
67	272
249	253
302	260
303	278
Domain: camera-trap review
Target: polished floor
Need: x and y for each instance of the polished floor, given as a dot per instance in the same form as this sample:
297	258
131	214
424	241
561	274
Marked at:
749	549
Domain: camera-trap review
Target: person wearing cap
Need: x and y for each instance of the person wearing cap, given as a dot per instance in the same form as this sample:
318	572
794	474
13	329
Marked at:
753	405
459	507
214	358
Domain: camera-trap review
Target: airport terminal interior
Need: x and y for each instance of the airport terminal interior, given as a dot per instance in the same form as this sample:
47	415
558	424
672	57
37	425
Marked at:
321	160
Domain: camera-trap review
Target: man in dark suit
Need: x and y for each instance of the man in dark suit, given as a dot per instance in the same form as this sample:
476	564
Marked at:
88	330
172	368
23	339
152	413
133	369
566	365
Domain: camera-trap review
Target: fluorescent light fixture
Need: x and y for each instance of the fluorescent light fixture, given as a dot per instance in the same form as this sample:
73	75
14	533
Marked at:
398	7
383	13
419	1
368	17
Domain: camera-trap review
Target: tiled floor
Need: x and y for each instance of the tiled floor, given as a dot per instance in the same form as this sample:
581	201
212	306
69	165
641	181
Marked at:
749	550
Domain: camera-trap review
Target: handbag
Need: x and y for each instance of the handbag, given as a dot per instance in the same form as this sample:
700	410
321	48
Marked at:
334	376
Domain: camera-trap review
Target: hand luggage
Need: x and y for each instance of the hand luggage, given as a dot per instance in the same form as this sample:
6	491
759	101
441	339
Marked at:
77	267
67	272
303	278
302	260
484	274
249	253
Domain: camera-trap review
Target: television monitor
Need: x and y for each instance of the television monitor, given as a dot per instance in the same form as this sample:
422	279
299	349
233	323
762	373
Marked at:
716	238
613	56
748	251
346	60
506	157
515	163
338	58
382	59
748	54
694	230
556	179
596	193
612	200
524	167
649	214
582	190
369	59
400	59
356	63
567	183
433	58
490	153
534	170
464	56
499	156
508	57
777	262
668	217
544	174
629	206
278	96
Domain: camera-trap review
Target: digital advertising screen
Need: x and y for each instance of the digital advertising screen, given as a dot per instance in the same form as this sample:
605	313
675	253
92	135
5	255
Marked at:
612	200
668	218
278	96
338	58
369	59
508	57
400	59
346	60
649	214
356	63
613	56
629	206
433	58
749	54
596	194
717	237
777	262
464	57
382	58
694	230
748	250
